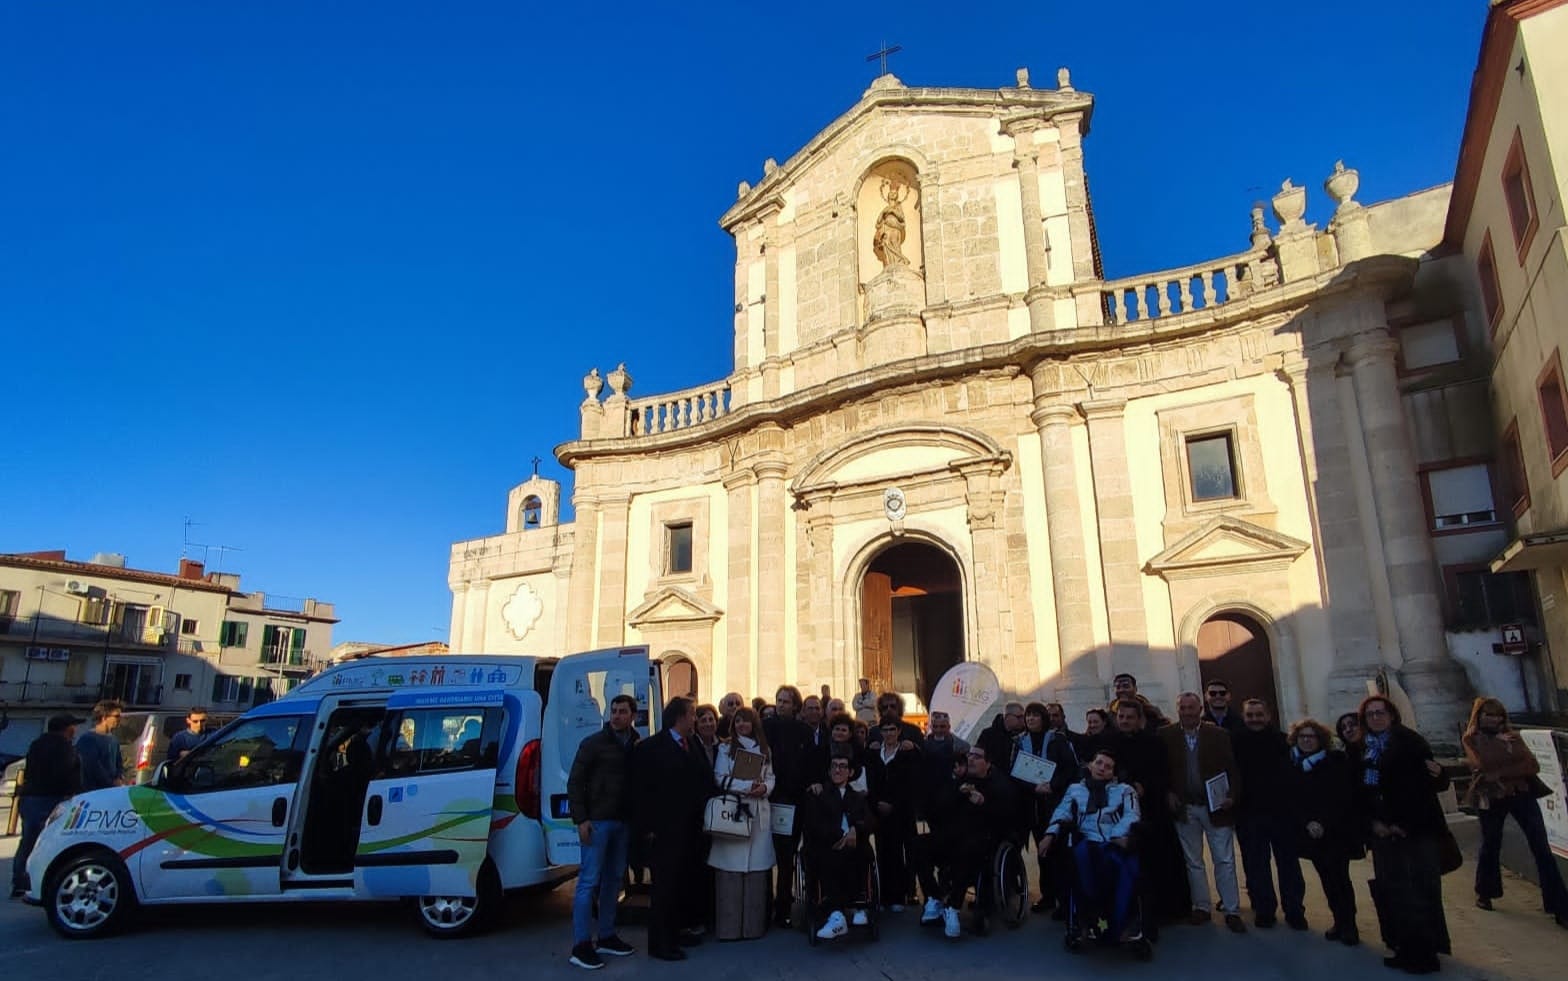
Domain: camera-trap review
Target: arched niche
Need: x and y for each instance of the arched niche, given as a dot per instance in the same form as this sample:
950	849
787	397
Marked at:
888	219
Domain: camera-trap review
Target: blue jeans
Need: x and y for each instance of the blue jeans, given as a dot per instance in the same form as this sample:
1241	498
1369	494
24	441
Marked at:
35	811
1488	874
1106	879
599	877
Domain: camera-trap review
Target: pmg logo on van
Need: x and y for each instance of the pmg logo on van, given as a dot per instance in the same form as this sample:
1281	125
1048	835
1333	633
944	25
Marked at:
83	818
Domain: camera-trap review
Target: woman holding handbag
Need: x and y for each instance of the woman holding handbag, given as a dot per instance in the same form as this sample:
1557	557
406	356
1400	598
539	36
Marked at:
743	883
1507	782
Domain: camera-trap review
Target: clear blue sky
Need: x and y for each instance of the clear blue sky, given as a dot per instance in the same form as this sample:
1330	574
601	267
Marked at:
324	276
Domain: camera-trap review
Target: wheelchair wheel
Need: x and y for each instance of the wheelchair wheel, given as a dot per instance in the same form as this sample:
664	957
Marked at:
1010	885
874	899
804	912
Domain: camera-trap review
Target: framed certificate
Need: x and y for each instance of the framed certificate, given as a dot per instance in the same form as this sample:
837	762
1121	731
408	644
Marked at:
783	818
1033	770
1218	787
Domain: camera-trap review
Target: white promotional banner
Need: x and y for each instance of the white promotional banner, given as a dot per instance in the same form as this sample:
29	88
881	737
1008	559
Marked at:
970	695
1554	808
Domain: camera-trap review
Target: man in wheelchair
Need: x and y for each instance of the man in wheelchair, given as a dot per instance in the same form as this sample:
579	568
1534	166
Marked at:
1099	813
838	849
985	814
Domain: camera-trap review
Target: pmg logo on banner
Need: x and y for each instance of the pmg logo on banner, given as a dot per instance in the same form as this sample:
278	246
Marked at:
84	818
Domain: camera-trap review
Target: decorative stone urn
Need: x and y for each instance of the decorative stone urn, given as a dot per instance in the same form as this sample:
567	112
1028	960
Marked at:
593	384
1341	186
620	381
1290	204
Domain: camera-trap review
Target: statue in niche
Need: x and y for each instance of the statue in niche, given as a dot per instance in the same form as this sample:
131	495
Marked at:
888	239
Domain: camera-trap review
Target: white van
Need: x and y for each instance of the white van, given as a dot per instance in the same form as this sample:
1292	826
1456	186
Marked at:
440	780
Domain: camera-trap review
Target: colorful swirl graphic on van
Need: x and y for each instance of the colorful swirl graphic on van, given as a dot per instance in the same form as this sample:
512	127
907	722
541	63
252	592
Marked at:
185	825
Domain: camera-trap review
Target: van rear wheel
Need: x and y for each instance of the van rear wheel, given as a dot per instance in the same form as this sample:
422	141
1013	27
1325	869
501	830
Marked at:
89	896
449	917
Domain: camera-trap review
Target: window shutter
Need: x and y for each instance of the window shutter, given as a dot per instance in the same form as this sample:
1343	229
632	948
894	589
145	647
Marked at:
1461	496
76	670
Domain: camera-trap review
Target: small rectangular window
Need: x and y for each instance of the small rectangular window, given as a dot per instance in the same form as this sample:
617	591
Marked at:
1211	465
10	601
1486	273
1516	485
1425	345
182	682
677	548
1479	598
1518	195
188	626
233	633
1554	411
1461	497
95	611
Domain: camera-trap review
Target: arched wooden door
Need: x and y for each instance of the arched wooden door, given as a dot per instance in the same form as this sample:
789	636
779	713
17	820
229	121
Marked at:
911	619
1234	648
680	677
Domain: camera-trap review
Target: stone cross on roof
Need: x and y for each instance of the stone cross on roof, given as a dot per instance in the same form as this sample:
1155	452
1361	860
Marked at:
883	55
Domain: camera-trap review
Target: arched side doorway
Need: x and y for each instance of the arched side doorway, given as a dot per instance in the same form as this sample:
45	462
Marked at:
911	618
680	677
1235	648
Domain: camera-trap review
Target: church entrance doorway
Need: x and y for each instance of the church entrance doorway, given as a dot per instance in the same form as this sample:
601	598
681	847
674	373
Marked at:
680	677
911	619
1234	648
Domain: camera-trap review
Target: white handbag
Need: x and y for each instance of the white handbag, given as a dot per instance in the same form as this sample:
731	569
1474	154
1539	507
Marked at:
727	816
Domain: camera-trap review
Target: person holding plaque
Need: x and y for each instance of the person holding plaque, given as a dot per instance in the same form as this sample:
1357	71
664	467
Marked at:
1045	764
742	882
1204	786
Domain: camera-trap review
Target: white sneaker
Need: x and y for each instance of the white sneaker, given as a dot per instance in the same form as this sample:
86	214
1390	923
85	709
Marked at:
932	912
950	923
834	928
859	919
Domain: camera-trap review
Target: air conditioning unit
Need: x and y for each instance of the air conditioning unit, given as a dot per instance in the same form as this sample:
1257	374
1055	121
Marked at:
78	588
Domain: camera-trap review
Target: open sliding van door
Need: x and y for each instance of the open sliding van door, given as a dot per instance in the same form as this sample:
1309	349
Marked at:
426	824
578	706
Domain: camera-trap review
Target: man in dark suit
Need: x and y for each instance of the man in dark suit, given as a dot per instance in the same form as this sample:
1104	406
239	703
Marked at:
672	786
838	823
787	738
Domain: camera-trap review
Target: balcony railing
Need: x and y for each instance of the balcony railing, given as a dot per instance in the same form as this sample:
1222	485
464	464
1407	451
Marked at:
285	657
58	631
1176	291
681	410
33	693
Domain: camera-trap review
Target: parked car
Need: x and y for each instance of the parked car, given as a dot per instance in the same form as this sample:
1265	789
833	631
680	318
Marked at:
144	739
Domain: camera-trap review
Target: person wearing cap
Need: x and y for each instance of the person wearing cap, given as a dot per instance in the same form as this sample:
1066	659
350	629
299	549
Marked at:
53	774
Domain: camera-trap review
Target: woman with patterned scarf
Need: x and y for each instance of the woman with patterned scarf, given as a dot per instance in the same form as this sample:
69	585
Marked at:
1318	791
1396	800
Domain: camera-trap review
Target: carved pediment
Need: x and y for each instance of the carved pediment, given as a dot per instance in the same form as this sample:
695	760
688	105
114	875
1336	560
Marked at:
673	606
1225	546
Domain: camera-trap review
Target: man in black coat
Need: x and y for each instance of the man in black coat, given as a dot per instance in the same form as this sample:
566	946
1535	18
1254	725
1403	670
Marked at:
997	739
672	786
986	813
787	739
838	823
891	775
1263	822
53	774
1141	761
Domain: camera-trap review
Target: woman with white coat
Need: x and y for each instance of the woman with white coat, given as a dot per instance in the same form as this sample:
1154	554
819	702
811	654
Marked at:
744	866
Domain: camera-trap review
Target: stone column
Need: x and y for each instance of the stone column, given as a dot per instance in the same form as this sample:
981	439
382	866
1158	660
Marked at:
1118	530
821	667
737	608
459	610
1339	536
1079	686
580	612
984	497
612	570
1436	685
770	302
772	512
1026	160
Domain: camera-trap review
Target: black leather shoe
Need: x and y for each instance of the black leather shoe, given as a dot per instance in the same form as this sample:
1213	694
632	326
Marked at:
1481	902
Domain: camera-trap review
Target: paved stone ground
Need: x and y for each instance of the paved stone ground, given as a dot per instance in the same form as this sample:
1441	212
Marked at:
325	942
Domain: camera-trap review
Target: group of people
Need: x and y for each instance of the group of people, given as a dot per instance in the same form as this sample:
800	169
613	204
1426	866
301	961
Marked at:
1129	818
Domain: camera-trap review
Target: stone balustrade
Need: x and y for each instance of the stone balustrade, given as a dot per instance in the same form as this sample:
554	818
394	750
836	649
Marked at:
1199	287
682	410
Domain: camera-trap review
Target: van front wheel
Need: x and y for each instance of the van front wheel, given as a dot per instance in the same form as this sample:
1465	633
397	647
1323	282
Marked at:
446	917
89	896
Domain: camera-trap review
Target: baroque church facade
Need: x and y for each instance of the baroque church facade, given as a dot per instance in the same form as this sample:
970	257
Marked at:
946	437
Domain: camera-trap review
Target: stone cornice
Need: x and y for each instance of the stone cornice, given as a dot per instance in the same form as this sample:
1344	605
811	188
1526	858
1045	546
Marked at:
1384	275
1047	103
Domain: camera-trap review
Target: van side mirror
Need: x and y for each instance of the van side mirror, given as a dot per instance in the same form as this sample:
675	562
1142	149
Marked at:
160	776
